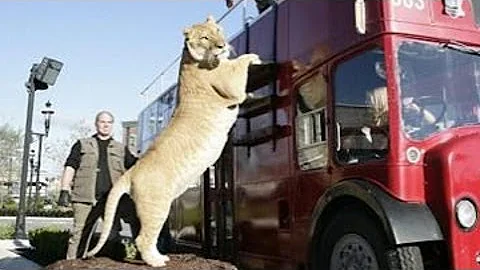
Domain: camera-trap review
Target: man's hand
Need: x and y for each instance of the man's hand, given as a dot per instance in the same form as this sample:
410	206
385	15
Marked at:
64	198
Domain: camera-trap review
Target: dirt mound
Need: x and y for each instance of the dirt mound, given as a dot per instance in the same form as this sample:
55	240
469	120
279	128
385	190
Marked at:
177	262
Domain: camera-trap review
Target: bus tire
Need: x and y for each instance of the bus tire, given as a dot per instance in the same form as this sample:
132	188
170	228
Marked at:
405	258
351	240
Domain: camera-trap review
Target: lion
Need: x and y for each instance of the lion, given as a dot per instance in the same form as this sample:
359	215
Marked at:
211	87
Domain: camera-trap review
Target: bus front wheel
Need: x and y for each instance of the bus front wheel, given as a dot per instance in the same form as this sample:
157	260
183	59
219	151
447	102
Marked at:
353	240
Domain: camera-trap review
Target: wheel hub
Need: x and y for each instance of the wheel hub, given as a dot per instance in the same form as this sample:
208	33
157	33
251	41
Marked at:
353	252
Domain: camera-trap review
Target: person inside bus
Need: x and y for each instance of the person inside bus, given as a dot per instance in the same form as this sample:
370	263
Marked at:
369	140
375	131
97	162
416	116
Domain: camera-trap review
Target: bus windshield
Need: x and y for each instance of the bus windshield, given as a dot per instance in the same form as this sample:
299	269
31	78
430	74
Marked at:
439	86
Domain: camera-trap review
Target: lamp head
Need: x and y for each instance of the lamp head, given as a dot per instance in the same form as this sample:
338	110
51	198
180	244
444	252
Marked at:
47	113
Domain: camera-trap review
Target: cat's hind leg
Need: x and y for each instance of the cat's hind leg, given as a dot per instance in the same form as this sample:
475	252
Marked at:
151	220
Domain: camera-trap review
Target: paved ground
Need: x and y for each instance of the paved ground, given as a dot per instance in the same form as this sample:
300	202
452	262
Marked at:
10	260
39	222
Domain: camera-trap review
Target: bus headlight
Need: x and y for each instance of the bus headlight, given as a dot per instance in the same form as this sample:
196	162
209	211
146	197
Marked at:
466	213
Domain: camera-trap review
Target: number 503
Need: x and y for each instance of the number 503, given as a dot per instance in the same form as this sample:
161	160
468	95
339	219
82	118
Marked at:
410	4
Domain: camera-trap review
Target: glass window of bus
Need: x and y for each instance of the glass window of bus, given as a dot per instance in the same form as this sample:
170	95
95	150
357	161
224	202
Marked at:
166	107
144	125
142	130
361	108
148	123
162	118
439	86
310	124
152	119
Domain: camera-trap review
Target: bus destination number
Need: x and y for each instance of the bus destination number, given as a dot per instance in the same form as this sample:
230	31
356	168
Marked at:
410	4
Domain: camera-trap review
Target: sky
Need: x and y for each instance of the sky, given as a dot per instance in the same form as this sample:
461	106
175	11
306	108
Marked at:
111	51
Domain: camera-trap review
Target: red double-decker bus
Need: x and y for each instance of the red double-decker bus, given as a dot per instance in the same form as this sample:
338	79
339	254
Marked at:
360	148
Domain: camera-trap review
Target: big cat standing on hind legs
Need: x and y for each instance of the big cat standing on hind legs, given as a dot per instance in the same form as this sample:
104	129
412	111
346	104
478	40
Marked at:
210	89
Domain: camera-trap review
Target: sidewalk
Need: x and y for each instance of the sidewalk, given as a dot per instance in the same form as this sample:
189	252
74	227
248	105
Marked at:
9	260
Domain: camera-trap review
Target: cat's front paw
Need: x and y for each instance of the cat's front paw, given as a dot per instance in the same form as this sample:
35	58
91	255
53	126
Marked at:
255	59
252	59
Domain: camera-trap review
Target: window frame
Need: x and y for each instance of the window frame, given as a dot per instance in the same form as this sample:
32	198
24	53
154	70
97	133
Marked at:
324	136
333	71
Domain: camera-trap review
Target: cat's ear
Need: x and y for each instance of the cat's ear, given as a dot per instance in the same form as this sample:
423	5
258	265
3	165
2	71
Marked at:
186	32
210	19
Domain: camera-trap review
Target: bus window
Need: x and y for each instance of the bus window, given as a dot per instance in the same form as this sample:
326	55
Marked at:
439	87
310	124
361	108
147	126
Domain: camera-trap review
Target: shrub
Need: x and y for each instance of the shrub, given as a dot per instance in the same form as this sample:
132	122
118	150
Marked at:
9	203
50	244
39	213
7	231
130	250
117	249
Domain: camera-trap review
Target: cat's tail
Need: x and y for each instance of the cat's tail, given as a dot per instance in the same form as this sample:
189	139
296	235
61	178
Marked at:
121	187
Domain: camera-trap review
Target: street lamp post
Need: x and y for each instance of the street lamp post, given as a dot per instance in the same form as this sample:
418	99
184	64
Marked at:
10	168
47	113
41	76
37	171
31	159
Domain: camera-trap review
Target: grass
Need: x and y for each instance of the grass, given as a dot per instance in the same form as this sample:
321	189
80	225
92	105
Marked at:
7	232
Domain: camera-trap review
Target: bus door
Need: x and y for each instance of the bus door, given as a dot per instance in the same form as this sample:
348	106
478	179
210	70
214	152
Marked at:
311	153
218	207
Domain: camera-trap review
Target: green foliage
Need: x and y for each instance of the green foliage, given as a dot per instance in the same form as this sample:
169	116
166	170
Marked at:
10	154
8	212
119	248
37	205
39	213
130	251
9	203
50	244
7	232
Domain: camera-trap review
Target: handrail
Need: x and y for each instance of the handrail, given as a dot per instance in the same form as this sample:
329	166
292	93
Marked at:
160	75
232	8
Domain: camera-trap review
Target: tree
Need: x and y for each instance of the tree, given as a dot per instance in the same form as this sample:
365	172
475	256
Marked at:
11	143
10	152
56	151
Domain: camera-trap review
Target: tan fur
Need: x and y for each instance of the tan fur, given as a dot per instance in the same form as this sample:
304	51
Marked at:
210	89
314	92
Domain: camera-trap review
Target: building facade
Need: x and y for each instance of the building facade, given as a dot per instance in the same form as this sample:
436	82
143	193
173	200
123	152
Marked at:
129	135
